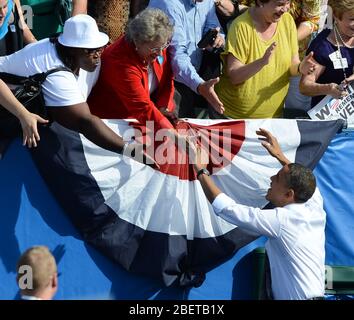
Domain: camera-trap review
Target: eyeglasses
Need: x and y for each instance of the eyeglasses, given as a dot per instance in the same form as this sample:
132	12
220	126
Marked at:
94	52
159	49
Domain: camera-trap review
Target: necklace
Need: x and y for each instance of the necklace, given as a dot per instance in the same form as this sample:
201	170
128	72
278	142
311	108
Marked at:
336	31
339	53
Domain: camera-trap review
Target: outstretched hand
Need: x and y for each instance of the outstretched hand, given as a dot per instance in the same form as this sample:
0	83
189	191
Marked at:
136	151
29	123
271	144
206	89
197	156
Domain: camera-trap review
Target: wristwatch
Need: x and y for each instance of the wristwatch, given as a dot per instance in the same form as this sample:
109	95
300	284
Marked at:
203	171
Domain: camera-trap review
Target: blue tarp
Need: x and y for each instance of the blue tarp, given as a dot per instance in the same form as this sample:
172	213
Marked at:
29	215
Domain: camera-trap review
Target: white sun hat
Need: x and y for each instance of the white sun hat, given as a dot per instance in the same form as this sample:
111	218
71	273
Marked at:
81	31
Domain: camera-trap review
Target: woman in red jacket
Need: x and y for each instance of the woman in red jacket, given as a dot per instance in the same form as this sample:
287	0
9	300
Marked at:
136	79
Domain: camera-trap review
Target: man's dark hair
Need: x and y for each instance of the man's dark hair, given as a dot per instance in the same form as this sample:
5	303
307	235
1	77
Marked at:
302	181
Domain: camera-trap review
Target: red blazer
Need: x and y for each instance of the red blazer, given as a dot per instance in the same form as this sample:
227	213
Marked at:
122	89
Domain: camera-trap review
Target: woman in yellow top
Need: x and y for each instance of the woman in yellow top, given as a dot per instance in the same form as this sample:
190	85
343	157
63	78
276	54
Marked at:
260	56
306	14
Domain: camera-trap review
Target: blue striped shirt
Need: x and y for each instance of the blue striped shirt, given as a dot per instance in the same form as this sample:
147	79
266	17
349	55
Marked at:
191	21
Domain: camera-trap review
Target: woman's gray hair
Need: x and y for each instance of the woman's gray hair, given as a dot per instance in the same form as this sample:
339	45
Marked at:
149	25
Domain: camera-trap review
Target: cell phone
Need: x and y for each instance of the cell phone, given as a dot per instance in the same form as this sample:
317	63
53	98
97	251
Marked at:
208	39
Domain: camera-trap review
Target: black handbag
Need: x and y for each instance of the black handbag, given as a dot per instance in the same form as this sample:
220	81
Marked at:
29	92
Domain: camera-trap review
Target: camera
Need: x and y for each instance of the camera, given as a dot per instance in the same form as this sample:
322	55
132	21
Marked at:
208	40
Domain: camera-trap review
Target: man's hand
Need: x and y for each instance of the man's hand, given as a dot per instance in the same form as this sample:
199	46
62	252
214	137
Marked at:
29	123
206	89
136	151
200	159
197	156
272	146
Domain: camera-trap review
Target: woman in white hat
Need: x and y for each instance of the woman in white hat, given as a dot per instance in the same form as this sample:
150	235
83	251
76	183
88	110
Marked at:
78	49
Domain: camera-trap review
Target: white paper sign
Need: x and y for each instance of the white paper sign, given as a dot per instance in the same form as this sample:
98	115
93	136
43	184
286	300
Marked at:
329	108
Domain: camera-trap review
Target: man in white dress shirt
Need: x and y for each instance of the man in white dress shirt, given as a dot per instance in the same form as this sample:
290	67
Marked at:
295	228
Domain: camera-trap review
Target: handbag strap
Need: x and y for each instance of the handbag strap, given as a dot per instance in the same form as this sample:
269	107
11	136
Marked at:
38	77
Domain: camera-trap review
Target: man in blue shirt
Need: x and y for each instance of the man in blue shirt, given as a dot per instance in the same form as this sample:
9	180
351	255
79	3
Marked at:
192	19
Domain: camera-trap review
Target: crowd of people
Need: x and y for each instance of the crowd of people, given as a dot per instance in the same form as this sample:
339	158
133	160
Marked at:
143	60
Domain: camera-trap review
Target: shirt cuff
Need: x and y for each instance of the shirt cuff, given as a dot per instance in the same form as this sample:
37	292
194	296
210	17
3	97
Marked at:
221	202
193	82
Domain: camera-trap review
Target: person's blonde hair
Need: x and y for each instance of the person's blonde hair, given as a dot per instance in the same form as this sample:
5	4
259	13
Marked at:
43	266
341	6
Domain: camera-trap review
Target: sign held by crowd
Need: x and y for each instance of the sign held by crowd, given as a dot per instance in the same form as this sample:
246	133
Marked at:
330	108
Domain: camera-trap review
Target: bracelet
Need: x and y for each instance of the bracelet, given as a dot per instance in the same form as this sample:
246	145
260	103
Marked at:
298	68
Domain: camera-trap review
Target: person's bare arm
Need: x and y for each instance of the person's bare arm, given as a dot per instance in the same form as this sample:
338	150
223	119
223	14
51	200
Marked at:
239	72
79	6
28	36
28	120
304	30
310	87
79	118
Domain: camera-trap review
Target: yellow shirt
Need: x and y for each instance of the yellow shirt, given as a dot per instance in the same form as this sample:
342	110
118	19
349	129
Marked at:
303	11
263	95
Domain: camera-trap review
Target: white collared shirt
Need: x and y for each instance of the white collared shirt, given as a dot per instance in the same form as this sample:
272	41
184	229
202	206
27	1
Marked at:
24	297
296	244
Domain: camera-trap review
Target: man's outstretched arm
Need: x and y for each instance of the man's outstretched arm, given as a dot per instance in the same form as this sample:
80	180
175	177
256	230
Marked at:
210	189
